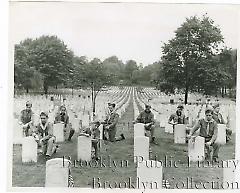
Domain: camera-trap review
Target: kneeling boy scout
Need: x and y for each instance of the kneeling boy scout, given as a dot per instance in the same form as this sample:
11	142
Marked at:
209	130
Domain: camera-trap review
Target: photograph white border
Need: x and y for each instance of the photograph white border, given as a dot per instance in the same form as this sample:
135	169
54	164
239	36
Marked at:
7	92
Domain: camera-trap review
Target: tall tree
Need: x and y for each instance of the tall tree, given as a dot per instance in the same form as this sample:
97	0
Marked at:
94	76
25	76
114	68
49	56
187	58
227	60
130	67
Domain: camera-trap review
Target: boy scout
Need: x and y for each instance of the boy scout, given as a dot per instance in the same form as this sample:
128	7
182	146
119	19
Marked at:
208	129
110	124
94	132
44	131
147	118
26	119
178	117
63	117
217	116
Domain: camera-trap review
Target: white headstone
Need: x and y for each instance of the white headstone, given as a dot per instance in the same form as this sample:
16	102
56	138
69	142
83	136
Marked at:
84	148
51	117
17	132
163	121
139	130
85	120
29	149
232	124
101	131
149	172
36	119
190	121
101	142
57	172
58	132
168	128
76	124
221	136
180	133
141	148
196	147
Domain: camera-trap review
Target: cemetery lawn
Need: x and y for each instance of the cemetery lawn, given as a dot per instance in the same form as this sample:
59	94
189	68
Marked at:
33	174
179	152
177	176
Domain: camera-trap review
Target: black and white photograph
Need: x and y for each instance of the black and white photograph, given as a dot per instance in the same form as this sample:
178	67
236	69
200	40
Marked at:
128	95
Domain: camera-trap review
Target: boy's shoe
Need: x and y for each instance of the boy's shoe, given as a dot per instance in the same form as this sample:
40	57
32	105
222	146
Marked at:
96	158
123	137
215	159
154	141
55	151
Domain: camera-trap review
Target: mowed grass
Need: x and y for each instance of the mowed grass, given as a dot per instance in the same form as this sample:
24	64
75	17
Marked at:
33	175
178	153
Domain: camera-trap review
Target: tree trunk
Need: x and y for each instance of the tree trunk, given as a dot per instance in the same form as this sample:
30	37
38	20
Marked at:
56	87
222	92
94	106
27	90
186	95
45	87
93	99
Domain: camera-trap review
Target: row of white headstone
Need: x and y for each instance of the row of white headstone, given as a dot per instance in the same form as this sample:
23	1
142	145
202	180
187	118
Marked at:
192	112
135	107
83	116
148	171
29	150
29	145
84	153
56	165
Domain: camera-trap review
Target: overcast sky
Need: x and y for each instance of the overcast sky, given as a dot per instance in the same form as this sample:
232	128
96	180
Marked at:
128	30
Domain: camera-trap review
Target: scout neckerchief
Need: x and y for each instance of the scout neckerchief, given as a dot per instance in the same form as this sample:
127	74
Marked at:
63	117
44	128
208	125
110	113
179	116
147	117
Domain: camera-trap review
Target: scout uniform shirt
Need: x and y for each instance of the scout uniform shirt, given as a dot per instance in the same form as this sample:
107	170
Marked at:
145	117
218	118
62	118
26	116
179	119
208	129
45	131
112	120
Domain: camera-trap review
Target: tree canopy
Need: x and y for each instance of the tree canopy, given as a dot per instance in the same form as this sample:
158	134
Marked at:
195	59
46	54
188	58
